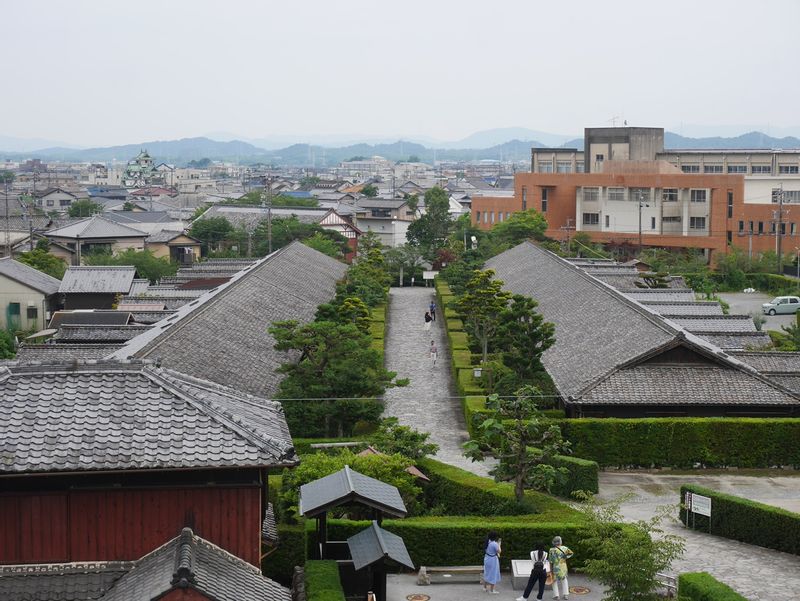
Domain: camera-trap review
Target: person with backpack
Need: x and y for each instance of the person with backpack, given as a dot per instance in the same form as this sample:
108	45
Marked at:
558	556
491	563
541	567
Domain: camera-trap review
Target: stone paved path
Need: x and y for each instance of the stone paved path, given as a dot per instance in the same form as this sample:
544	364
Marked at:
429	403
758	573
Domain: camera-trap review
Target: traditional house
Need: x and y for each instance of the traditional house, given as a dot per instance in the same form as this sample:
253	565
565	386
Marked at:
96	234
95	287
175	245
617	357
223	335
55	199
27	296
107	461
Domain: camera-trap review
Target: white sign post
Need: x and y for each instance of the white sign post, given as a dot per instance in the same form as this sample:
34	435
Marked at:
701	505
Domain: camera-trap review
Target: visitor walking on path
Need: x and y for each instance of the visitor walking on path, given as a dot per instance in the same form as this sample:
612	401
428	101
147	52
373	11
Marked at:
428	320
559	554
491	563
434	353
432	309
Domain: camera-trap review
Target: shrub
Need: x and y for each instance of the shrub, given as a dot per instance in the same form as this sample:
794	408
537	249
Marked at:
701	586
582	474
467	385
455	325
322	581
291	552
685	442
745	520
458	341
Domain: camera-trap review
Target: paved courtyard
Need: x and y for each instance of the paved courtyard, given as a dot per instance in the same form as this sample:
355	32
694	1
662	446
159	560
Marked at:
758	573
744	303
429	403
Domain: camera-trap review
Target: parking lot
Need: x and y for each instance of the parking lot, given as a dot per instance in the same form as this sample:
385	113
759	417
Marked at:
743	303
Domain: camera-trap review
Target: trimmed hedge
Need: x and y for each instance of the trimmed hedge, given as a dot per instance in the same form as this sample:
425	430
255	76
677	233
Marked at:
582	474
457	492
454	324
685	441
458	341
322	581
291	552
745	520
466	383
702	586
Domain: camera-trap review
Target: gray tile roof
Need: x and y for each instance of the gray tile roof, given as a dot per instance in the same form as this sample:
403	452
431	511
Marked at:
601	334
684	308
99	333
790	381
84	581
108	317
49	353
771	362
170	303
98	279
736	341
95	227
684	385
714	323
164	236
654	294
189	561
30	277
375	544
150	317
118	416
139	285
223	334
349	486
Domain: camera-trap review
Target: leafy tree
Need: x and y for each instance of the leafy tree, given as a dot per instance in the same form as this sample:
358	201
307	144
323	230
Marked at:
791	341
627	560
412	200
481	305
6	176
391	437
199	164
336	365
370	190
211	231
324	245
413	159
40	259
355	311
84	208
658	279
288	229
521	226
523	336
8	346
368	242
367	280
147	264
309	181
521	440
390	469
357	157
257	197
431	230
404	261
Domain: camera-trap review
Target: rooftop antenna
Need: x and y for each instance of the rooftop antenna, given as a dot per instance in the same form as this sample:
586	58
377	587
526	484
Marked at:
614	120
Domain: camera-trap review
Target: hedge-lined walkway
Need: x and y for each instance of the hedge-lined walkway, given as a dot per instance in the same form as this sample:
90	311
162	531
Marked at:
758	573
429	403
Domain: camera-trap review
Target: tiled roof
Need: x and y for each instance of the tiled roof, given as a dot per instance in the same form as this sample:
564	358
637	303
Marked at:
771	362
98	279
714	323
375	544
30	277
223	334
95	227
684	385
190	562
736	341
107	317
149	316
164	236
349	486
117	416
170	303
139	285
84	581
185	563
656	294
48	353
676	308
99	333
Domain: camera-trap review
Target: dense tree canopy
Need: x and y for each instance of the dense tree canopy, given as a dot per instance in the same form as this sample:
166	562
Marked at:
40	259
520	226
84	208
430	232
147	264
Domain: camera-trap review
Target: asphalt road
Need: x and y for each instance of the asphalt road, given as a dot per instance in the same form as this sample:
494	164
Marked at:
743	303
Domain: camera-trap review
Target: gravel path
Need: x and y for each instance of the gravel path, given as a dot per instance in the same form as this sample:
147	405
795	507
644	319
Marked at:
758	573
429	402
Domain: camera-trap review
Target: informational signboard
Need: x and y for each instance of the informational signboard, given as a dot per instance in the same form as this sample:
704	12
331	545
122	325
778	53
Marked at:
429	275
701	505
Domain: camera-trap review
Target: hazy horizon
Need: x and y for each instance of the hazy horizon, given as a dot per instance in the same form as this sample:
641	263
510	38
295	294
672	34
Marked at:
91	73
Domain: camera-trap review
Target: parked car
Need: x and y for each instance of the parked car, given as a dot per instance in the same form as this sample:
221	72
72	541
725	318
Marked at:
781	305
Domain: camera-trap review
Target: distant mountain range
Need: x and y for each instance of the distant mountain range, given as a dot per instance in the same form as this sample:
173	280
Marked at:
487	145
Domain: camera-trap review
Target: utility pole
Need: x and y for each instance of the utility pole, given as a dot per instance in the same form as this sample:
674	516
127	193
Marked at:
30	210
567	228
641	203
266	203
779	231
8	234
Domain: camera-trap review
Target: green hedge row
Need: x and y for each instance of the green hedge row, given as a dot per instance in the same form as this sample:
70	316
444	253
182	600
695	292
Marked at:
702	586
291	552
745	520
685	442
322	581
582	474
377	328
457	492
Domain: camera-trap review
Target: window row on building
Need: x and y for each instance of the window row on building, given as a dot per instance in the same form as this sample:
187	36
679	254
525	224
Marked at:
757	228
740	169
489	216
695	223
591	194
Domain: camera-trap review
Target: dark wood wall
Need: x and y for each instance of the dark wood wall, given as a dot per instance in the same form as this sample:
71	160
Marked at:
94	525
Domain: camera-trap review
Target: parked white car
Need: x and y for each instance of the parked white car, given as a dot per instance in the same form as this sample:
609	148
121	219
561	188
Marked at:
781	305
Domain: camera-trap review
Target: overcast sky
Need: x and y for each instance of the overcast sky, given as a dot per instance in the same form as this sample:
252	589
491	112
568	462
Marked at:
110	71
